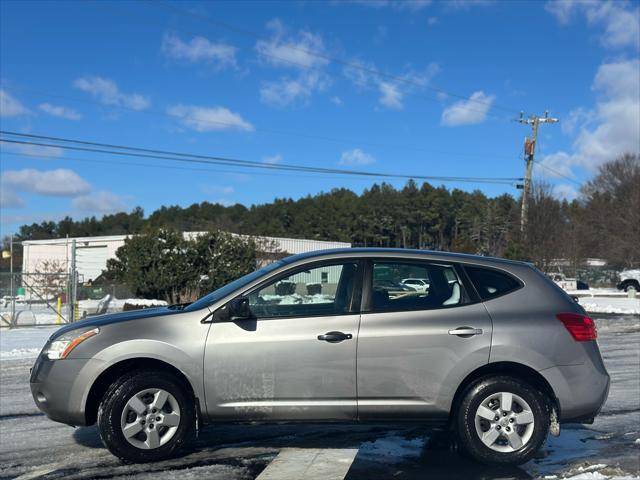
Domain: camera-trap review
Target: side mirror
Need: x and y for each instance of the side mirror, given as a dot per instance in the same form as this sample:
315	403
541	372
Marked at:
239	309
236	309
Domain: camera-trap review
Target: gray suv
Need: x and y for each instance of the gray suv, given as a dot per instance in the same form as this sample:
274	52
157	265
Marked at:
493	350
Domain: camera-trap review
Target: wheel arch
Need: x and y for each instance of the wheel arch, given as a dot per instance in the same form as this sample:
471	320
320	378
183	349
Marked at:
518	371
110	374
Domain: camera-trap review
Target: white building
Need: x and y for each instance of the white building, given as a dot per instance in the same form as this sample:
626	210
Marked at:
92	253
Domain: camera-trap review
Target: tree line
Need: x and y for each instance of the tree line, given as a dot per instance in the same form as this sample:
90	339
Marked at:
602	222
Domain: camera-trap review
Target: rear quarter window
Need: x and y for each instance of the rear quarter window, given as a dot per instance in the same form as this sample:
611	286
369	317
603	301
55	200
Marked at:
491	283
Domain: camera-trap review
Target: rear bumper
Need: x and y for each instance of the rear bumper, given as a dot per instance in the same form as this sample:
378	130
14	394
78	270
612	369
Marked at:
581	390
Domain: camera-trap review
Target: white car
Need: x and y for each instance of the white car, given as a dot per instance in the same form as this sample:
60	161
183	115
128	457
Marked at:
418	284
629	279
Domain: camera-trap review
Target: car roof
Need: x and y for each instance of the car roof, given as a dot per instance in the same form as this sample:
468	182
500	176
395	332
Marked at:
402	253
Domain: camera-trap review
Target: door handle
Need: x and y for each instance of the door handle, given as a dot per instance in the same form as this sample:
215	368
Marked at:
335	337
466	331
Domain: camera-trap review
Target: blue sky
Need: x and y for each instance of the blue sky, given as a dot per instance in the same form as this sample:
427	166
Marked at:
258	81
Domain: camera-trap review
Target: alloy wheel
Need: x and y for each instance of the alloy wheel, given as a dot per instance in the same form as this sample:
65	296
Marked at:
504	422
150	418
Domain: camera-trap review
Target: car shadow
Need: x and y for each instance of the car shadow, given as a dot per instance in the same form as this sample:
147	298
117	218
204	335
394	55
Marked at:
88	437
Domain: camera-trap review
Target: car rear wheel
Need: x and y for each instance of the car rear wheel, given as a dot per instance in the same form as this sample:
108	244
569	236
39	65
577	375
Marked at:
147	416
502	421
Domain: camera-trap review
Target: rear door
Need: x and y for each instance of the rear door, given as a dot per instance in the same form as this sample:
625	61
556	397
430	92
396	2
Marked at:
296	360
414	348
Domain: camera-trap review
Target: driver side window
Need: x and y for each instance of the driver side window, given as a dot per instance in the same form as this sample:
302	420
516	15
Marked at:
320	290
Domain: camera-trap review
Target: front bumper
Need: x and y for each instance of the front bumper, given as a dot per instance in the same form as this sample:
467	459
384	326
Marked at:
60	387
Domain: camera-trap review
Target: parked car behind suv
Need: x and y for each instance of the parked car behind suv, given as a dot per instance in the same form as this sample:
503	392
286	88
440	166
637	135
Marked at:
494	349
629	279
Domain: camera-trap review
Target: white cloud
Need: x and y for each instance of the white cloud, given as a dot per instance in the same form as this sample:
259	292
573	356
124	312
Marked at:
555	165
60	111
207	119
34	150
199	49
299	90
432	20
305	53
392	89
273	159
612	127
101	202
466	4
360	73
304	50
107	91
9	199
565	192
390	95
42	151
10	106
576	117
411	5
336	100
468	112
56	183
620	20
356	157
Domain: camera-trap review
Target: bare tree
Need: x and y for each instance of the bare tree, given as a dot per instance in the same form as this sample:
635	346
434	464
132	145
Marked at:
611	218
50	278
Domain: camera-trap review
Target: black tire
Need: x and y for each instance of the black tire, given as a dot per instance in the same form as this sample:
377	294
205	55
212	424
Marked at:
632	284
115	400
465	426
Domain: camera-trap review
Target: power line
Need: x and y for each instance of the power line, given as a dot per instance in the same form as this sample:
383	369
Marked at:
556	172
171	167
324	138
328	58
123	150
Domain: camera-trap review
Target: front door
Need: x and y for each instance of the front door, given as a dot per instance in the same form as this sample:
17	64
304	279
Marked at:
296	360
416	346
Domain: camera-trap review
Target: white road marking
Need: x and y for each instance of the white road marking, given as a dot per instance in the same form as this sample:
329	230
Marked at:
310	464
39	472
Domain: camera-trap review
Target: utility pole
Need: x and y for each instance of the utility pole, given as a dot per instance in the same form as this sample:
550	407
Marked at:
12	284
71	290
529	153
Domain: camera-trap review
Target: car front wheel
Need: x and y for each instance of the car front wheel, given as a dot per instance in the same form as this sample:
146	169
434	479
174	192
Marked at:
502	421
147	416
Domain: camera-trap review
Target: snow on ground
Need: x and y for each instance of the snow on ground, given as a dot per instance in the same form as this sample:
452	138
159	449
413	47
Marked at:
21	343
622	306
598	292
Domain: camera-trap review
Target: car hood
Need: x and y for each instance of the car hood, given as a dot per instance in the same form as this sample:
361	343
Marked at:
101	320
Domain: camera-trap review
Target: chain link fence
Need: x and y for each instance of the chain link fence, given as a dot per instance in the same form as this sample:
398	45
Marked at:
33	299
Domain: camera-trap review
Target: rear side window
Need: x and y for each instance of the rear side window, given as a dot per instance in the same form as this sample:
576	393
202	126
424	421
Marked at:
491	283
392	290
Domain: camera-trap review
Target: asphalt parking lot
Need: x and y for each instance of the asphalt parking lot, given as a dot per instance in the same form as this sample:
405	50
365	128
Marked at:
31	446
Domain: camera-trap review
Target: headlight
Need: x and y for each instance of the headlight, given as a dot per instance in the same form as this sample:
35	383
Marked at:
62	346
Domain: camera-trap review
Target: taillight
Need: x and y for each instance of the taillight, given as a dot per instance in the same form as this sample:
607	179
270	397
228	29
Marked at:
581	327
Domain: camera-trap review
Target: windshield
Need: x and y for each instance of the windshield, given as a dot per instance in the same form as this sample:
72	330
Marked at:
230	287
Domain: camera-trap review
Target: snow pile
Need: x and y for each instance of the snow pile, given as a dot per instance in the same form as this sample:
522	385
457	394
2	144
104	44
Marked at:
142	302
598	292
622	306
22	343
